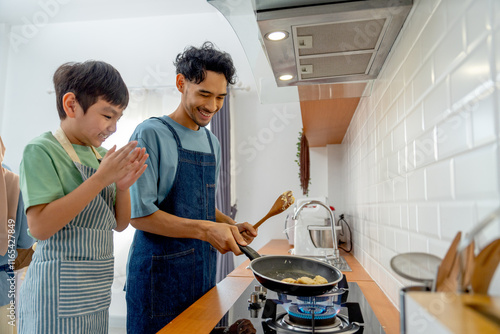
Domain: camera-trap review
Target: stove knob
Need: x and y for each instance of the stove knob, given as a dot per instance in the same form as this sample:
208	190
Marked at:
254	298
261	291
254	314
254	305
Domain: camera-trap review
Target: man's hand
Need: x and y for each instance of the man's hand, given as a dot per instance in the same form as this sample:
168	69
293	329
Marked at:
225	238
247	231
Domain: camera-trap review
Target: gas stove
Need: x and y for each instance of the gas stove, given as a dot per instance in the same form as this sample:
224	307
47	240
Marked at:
343	311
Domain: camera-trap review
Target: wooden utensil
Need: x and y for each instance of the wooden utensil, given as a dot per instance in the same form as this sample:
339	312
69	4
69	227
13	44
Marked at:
282	203
468	259
485	265
446	278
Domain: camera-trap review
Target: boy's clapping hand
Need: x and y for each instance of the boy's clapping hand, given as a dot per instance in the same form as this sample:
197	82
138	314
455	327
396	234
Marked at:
123	166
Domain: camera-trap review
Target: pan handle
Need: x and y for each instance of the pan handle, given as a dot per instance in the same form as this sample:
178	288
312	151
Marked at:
249	252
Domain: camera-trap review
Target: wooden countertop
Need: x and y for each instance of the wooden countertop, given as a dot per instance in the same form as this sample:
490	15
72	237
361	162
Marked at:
203	316
461	313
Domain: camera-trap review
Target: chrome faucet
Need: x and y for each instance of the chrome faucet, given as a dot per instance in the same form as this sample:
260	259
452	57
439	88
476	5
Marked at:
332	220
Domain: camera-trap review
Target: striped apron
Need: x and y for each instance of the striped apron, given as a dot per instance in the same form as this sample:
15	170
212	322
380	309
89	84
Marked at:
68	283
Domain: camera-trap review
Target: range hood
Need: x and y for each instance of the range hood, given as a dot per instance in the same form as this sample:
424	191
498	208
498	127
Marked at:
333	52
329	41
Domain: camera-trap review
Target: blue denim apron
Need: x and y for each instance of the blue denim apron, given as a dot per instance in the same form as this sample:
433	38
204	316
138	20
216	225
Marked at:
67	288
166	275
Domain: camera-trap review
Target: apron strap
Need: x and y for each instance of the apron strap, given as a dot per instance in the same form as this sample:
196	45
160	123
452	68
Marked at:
209	141
174	133
66	144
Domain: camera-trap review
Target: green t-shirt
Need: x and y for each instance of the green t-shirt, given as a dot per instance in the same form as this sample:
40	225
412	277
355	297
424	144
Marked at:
47	172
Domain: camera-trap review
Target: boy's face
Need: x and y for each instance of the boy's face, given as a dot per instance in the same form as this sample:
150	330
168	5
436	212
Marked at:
201	101
97	124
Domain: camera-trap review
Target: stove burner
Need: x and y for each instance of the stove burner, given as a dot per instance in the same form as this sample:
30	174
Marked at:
340	325
302	314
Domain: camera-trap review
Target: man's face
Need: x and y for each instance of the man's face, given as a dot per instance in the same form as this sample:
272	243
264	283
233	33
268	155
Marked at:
201	101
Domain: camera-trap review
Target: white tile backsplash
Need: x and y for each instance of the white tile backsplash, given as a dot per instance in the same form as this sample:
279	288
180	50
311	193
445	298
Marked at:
478	21
455	217
438	181
400	189
427	221
436	104
423	80
418	243
496	14
425	149
432	141
483	120
414	123
416	185
402	241
450	50
476	173
471	74
434	30
455	9
453	135
413	62
412	217
395	216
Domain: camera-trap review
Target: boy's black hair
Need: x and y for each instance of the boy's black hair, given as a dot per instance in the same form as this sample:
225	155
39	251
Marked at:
89	81
194	62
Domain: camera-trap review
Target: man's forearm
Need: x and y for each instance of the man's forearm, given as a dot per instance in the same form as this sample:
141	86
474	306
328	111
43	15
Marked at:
166	224
222	218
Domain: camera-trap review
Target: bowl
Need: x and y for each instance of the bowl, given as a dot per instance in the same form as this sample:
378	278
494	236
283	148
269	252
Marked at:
321	236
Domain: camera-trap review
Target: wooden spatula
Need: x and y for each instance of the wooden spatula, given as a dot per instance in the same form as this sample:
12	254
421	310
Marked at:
282	203
485	265
446	278
468	258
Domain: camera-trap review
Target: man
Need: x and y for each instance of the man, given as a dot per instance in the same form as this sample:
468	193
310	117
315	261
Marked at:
172	259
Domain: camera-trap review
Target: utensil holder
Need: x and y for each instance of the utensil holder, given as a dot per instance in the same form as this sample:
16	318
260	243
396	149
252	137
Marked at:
402	310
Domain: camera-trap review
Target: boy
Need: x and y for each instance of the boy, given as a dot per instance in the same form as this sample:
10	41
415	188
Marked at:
74	198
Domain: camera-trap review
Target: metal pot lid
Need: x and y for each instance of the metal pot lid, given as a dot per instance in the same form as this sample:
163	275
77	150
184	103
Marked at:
417	267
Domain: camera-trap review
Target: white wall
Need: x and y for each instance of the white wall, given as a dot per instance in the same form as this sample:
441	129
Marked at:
336	175
141	49
265	145
422	151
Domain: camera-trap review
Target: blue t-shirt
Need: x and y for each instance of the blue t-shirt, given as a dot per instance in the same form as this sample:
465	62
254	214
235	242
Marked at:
149	191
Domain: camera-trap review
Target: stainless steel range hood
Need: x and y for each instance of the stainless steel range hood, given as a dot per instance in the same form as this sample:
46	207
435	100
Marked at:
329	41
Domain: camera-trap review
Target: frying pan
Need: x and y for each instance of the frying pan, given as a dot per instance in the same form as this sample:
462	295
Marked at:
269	270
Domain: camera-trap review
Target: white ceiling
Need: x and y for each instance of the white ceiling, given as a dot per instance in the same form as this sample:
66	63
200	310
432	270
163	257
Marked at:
52	11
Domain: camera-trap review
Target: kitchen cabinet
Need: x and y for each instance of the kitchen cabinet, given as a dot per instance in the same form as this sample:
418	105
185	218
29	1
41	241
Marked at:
327	110
203	316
